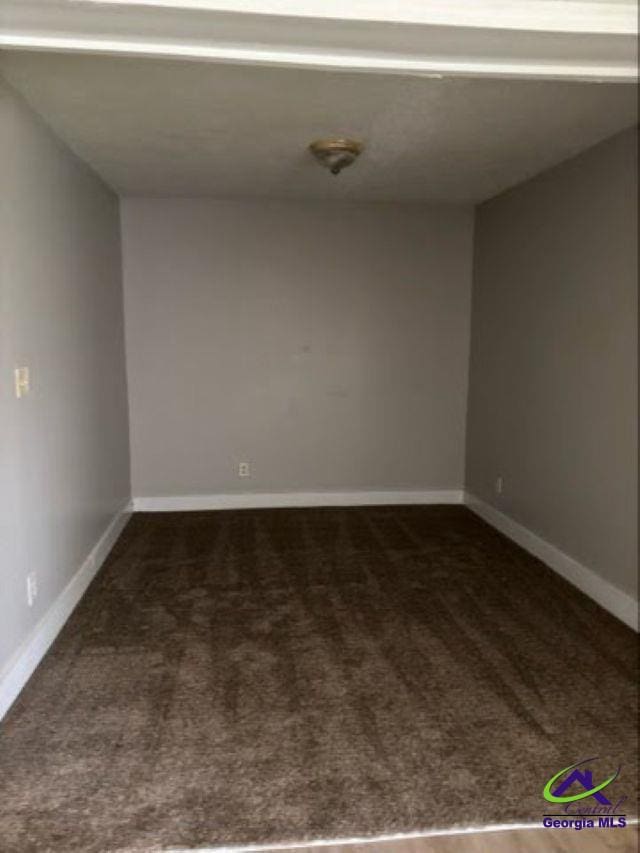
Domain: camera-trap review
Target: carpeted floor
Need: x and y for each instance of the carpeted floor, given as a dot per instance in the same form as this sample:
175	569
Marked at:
282	675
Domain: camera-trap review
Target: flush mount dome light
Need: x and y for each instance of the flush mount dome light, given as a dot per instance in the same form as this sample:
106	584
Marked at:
336	154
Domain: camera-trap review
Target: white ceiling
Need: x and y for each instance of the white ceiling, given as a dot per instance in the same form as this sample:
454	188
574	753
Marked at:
170	127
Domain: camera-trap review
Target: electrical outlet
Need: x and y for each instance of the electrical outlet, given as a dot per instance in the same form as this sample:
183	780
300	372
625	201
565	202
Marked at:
21	380
498	485
32	588
244	469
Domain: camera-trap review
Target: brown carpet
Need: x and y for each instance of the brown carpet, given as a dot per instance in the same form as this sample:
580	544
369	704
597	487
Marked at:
281	675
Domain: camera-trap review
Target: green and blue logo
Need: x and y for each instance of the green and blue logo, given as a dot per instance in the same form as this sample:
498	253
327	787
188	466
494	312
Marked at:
575	784
583	778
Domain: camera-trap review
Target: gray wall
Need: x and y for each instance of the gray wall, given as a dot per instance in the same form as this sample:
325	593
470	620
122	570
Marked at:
64	448
553	383
327	345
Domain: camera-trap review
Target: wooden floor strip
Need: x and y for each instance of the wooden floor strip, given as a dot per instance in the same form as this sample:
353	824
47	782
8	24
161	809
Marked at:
516	841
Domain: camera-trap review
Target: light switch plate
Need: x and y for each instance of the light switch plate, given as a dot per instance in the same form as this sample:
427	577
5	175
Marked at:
22	381
32	588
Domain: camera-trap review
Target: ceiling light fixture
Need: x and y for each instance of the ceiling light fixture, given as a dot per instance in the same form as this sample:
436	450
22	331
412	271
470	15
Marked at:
336	154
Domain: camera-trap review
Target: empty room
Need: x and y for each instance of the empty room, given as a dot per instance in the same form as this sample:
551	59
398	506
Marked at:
319	426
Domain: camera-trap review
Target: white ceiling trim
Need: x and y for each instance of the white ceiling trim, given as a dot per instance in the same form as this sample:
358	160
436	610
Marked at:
173	29
595	16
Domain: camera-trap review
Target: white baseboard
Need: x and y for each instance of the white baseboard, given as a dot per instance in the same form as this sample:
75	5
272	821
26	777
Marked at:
257	500
17	672
617	602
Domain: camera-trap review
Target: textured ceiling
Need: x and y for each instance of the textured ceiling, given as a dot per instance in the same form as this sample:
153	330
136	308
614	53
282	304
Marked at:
162	127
